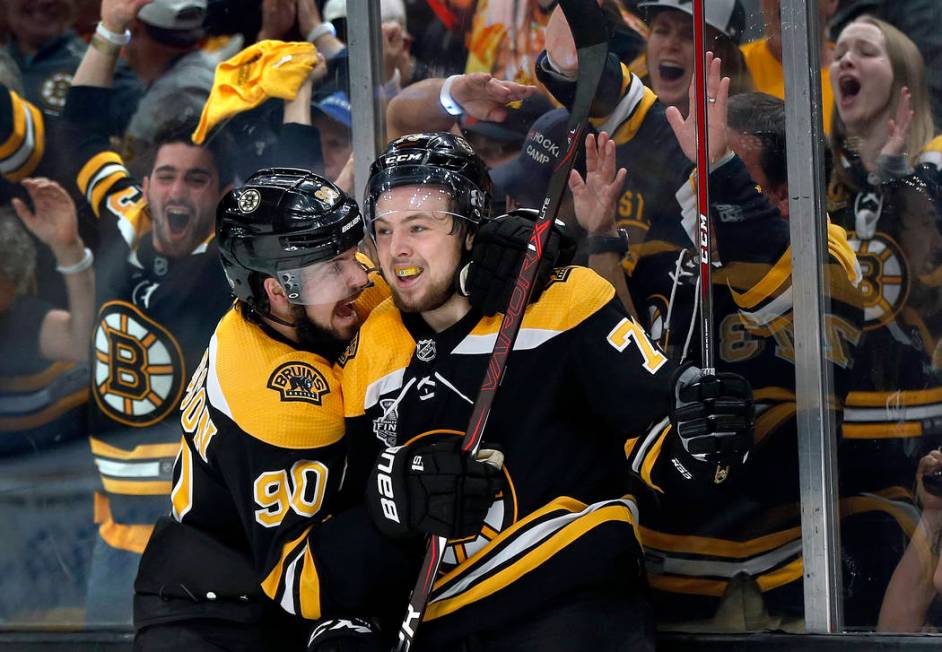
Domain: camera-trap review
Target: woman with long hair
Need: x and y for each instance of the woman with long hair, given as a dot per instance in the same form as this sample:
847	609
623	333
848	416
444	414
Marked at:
885	190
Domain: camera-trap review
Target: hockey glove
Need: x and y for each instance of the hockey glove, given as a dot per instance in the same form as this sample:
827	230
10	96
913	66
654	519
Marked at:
499	249
345	635
433	489
712	415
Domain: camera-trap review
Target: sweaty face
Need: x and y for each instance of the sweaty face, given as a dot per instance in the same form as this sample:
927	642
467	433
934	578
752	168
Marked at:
418	251
670	57
182	193
35	22
861	78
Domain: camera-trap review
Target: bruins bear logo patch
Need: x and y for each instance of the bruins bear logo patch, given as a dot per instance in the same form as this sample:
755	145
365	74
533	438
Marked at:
299	381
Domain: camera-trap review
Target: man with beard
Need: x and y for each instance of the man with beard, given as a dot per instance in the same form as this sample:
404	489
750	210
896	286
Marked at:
260	528
557	565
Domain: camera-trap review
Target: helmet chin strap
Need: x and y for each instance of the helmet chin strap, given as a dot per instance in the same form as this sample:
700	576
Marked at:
278	320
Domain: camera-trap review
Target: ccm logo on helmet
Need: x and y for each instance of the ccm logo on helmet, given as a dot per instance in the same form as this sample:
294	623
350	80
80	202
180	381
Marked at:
385	483
402	158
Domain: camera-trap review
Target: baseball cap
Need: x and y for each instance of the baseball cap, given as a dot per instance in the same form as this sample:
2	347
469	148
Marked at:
515	127
390	10
336	106
726	16
526	178
177	15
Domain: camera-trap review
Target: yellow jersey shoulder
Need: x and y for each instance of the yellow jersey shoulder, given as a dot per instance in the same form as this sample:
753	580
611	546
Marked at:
381	350
273	392
572	295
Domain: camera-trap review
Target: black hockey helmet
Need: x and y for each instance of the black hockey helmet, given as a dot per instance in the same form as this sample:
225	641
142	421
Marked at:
433	159
282	222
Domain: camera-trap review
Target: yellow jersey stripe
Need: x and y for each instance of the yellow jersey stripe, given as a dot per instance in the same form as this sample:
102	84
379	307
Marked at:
310	589
15	140
530	561
696	545
45	415
92	166
144	451
271	583
131	488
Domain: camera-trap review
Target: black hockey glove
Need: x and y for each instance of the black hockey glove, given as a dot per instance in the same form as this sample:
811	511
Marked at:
713	415
499	248
345	635
433	489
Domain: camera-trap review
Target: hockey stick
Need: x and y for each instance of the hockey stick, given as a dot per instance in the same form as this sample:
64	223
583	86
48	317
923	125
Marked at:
703	196
586	23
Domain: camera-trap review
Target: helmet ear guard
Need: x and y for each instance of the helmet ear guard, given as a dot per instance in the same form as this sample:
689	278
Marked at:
282	219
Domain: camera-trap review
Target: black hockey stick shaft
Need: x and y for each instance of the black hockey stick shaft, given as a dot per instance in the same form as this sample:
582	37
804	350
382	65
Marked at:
703	196
586	22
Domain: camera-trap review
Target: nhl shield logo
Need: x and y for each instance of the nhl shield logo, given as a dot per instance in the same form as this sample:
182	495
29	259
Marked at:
249	200
384	427
299	381
425	350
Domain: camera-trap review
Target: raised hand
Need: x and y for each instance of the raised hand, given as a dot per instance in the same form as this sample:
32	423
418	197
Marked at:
54	220
118	14
685	129
484	97
309	16
594	198
898	127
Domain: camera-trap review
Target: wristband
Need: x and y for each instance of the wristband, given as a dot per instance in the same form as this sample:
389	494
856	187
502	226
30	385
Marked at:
318	31
87	260
104	46
447	101
608	244
114	38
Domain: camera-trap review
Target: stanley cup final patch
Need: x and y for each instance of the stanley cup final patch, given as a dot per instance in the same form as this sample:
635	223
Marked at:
299	381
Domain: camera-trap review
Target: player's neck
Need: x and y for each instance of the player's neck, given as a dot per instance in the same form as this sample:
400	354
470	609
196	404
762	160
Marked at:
448	314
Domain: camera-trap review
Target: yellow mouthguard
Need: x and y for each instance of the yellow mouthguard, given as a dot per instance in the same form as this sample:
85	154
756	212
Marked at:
404	272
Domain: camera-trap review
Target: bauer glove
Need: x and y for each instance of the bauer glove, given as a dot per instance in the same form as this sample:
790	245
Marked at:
499	249
713	415
345	635
434	489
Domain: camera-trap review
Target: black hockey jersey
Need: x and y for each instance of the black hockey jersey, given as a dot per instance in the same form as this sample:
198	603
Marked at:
261	471
583	378
894	410
154	316
22	136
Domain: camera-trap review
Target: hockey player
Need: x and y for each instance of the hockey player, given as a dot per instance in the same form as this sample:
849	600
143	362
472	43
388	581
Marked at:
159	292
557	564
268	516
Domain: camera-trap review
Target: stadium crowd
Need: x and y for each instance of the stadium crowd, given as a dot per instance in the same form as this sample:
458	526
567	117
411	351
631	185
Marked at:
139	137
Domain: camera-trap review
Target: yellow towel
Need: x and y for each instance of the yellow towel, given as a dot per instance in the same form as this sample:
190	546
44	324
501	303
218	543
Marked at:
259	72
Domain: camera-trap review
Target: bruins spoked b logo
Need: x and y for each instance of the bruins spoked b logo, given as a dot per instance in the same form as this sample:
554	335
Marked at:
138	367
299	381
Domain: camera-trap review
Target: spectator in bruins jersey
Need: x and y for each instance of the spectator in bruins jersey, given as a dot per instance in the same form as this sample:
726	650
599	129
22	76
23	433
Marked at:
758	583
764	56
39	341
159	288
47	51
884	189
420	357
